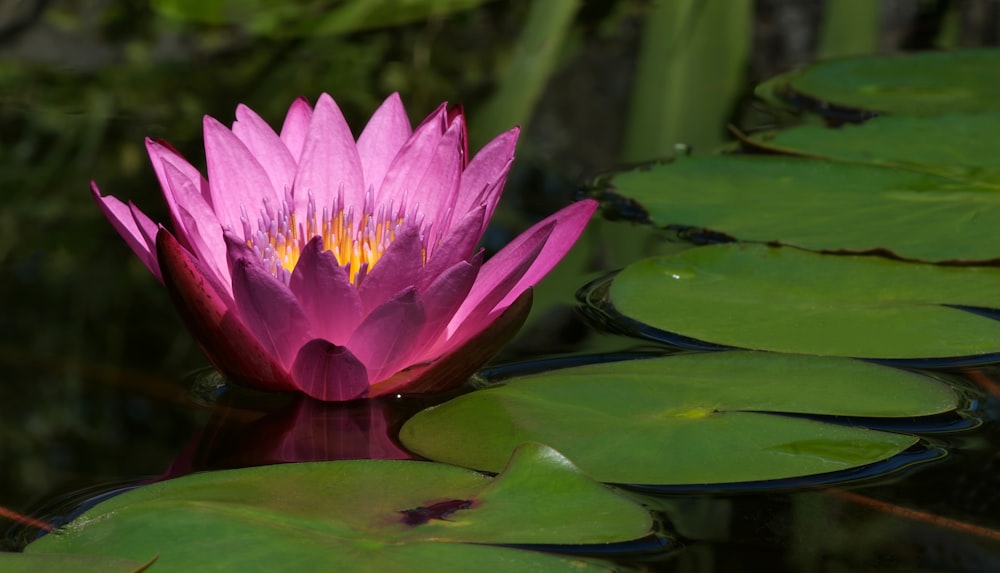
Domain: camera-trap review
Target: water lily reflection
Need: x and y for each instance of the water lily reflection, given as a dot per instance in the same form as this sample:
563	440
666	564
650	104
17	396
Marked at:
343	269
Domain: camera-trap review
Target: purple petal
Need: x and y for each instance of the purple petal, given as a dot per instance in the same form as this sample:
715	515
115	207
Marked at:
329	162
326	294
133	226
412	160
384	339
396	270
459	363
206	311
269	309
456	246
444	297
569	224
501	273
483	179
436	191
296	126
237	179
163	156
200	228
266	147
329	372
383	137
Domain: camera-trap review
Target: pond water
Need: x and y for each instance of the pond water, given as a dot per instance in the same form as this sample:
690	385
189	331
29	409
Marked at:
103	389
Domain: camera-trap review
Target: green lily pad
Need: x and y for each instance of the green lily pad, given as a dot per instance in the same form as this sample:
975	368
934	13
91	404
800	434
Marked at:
927	83
688	419
957	146
820	205
360	516
21	562
789	300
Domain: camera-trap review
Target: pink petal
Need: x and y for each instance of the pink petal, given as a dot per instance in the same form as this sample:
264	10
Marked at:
456	246
329	372
395	271
385	337
412	160
161	155
133	226
454	368
296	126
238	181
436	191
326	294
201	229
483	179
381	140
266	147
269	309
218	331
570	222
444	297
329	163
501	273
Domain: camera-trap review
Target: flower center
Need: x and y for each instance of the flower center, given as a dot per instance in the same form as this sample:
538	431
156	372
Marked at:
357	239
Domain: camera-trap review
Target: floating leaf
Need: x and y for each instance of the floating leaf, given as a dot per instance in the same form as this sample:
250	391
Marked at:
789	300
927	83
820	205
31	563
360	516
689	419
958	146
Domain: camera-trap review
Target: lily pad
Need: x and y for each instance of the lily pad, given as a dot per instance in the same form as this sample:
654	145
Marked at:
819	205
20	562
958	146
360	516
927	83
689	419
789	300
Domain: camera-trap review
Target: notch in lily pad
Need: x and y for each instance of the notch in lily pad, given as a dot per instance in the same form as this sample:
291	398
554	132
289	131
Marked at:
698	420
362	515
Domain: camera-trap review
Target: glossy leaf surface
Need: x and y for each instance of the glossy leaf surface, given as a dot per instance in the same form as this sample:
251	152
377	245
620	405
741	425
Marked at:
690	419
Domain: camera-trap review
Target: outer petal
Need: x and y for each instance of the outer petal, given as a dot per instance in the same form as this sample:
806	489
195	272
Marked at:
326	294
483	179
443	297
436	191
500	274
269	309
569	224
394	271
133	226
329	372
266	147
238	181
329	163
454	368
381	140
226	341
195	217
412	160
384	339
181	174
456	246
296	126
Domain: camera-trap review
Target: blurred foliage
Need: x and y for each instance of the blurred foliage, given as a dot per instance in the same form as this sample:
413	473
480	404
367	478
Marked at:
92	350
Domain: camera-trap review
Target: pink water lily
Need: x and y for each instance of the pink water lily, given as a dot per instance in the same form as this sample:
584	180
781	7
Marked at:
311	262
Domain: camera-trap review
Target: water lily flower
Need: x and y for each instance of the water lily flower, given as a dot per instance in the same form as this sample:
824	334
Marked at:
310	261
